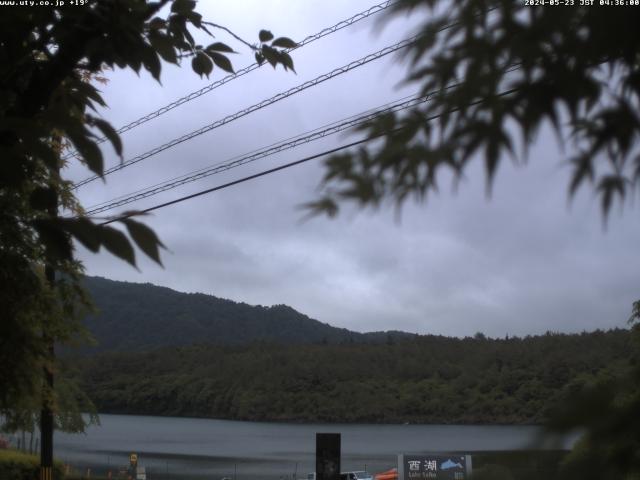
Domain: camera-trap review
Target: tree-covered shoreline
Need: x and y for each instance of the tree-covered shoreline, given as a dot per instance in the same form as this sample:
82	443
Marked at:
429	379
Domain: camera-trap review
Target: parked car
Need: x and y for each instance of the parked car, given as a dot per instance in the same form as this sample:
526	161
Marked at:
357	475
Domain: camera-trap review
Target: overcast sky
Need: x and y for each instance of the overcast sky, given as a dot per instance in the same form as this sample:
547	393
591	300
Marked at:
523	262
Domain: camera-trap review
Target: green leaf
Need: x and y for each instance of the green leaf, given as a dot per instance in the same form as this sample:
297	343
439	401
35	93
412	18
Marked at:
195	18
12	168
636	173
164	46
44	152
117	243
43	198
201	64
145	238
222	62
109	132
157	23
89	91
182	37
83	230
608	187
220	47
271	55
284	42
183	6
326	206
54	239
583	169
287	61
265	35
492	157
259	58
151	61
134	60
88	149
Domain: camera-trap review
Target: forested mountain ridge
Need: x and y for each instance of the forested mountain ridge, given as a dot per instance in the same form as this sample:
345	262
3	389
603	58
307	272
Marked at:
427	379
135	317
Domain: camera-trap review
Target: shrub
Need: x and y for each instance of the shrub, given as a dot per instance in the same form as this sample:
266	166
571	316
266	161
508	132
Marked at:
16	465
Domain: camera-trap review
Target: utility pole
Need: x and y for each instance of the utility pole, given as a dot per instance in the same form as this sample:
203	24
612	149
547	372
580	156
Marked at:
46	414
328	453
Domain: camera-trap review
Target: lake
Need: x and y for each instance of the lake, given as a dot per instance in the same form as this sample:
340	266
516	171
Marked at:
194	448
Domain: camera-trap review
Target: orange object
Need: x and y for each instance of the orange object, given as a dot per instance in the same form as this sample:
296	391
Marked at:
387	475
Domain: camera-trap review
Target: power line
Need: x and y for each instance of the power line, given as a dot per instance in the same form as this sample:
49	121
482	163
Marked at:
285	166
259	153
289	143
265	103
272	149
212	86
241	180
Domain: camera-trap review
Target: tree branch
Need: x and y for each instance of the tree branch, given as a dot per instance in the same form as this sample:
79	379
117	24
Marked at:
252	47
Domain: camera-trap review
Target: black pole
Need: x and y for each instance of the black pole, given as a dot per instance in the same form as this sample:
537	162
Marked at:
328	456
46	415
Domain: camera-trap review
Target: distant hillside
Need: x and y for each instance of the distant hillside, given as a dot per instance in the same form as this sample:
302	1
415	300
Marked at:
425	380
134	317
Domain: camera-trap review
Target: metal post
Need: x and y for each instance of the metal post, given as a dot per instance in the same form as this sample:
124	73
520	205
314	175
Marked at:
327	456
46	415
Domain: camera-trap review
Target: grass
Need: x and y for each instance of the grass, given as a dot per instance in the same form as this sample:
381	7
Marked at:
15	465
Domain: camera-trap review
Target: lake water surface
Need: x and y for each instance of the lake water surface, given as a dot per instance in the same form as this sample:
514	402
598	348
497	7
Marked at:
193	448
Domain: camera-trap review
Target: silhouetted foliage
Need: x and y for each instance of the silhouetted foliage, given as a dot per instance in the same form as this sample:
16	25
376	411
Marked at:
48	59
605	408
496	71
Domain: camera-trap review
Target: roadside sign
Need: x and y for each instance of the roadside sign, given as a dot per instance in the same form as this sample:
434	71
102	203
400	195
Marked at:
438	466
133	458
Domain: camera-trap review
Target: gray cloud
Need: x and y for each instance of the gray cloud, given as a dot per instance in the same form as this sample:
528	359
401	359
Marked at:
521	263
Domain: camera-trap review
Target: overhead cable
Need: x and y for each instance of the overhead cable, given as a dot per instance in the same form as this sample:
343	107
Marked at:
265	103
236	182
283	167
274	148
218	83
288	144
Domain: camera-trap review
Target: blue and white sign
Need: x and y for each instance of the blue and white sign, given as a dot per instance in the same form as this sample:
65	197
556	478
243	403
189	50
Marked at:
438	466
